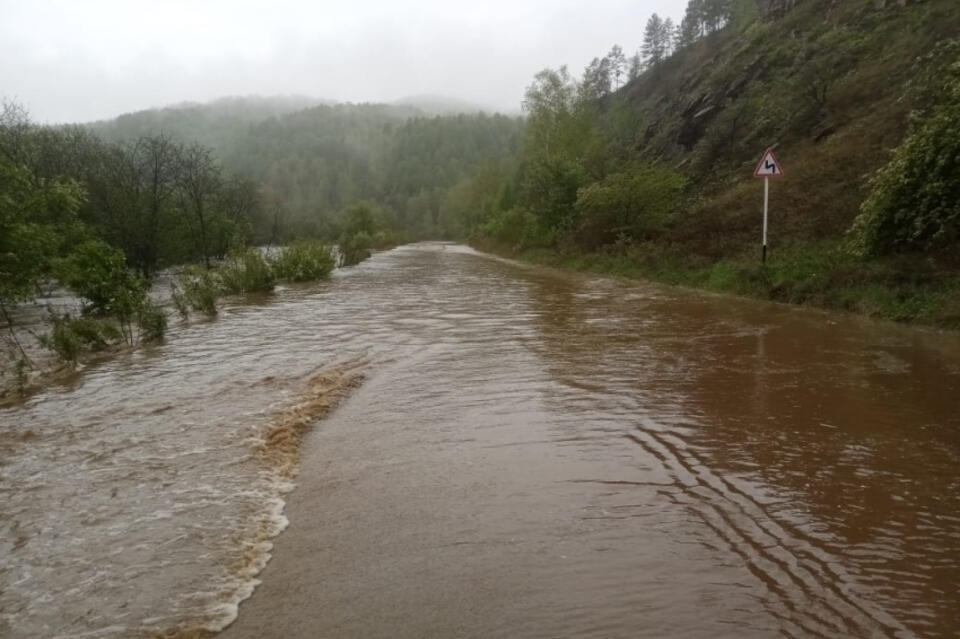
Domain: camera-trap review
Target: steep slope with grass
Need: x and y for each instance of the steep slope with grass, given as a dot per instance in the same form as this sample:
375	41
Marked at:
834	87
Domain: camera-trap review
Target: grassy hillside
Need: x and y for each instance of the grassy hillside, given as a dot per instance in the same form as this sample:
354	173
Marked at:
831	85
828	84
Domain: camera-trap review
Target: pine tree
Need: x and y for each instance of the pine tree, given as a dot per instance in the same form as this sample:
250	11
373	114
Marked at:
596	79
668	35
687	32
694	18
715	14
617	63
636	66
653	44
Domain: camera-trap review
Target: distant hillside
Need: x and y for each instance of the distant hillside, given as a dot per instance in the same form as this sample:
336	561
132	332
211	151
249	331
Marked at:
212	123
209	122
441	105
314	159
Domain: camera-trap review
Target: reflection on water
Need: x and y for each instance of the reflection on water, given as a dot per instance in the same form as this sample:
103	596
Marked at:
532	454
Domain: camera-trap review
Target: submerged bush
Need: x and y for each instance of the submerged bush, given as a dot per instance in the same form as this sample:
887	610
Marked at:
303	261
97	273
71	336
151	322
195	289
355	248
246	272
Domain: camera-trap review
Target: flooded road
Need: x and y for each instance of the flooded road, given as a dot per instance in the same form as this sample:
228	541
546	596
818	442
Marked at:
531	454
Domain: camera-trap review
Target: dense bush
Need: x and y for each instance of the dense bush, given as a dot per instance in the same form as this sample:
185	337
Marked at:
195	289
246	272
303	261
98	275
151	322
914	201
38	220
357	238
69	336
355	248
516	228
630	204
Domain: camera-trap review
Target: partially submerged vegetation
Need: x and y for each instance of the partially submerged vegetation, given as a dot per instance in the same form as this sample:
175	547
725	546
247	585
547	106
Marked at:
196	289
102	219
115	310
43	238
304	261
246	271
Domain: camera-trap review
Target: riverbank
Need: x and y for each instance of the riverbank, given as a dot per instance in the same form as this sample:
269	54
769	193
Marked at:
910	289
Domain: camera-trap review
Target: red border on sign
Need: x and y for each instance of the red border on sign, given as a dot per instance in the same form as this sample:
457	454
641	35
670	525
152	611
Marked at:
779	173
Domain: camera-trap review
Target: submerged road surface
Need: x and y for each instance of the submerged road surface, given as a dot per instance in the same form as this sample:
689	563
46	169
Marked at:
531	454
543	455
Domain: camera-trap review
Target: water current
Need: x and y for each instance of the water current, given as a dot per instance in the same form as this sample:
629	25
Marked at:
531	454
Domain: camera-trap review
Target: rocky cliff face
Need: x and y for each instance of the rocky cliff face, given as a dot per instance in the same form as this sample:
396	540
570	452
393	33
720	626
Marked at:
772	9
775	8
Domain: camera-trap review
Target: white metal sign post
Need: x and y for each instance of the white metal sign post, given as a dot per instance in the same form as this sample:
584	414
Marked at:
768	168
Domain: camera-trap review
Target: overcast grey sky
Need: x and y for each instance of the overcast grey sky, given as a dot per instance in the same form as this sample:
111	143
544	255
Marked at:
78	60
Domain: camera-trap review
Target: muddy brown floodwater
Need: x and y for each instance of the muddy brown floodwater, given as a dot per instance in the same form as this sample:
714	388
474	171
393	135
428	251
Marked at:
530	454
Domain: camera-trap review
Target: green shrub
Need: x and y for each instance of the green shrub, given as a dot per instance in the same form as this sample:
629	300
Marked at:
98	274
64	342
71	336
914	201
630	204
516	228
355	248
246	272
303	261
195	289
152	322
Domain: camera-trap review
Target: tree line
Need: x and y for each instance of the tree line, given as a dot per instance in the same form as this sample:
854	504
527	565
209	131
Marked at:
661	38
161	201
315	162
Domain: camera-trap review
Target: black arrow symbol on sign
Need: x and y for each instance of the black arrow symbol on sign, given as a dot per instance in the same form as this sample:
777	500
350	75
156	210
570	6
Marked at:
768	165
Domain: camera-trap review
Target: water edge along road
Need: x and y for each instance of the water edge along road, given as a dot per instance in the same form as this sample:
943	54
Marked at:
531	454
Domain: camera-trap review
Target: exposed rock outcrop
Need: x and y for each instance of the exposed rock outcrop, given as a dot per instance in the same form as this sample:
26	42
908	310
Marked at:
770	9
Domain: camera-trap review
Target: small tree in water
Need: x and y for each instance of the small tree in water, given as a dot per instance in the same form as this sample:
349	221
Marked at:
98	275
357	238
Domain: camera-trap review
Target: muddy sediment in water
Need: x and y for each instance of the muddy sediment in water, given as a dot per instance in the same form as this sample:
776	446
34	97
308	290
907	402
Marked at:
276	447
530	454
279	445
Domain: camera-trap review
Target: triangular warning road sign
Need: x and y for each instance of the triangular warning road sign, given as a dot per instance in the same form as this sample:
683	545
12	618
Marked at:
768	167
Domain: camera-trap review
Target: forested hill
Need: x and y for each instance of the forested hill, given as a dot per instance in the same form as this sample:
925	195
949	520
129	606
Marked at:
859	98
217	123
830	84
314	160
